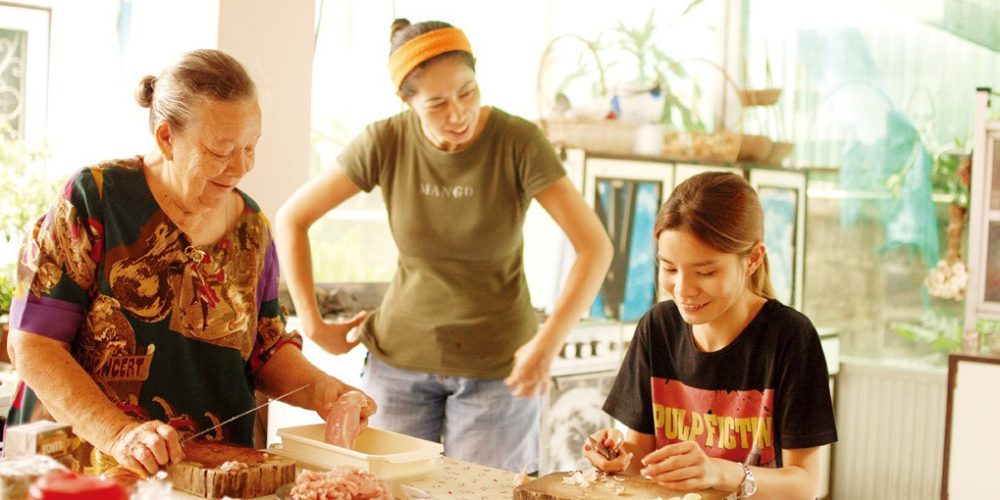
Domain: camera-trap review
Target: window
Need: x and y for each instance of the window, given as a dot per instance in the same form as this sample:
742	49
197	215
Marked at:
24	54
871	108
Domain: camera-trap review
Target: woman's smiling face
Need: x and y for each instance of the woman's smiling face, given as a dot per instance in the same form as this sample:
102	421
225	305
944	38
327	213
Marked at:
447	101
215	150
704	282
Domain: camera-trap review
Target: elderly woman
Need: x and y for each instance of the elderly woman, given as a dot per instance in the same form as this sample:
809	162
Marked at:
457	354
146	308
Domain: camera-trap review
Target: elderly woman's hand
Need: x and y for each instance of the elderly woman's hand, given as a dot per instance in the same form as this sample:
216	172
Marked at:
147	446
329	389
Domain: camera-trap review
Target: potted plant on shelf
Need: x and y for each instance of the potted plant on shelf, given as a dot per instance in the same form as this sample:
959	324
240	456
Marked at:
664	87
655	73
654	99
26	195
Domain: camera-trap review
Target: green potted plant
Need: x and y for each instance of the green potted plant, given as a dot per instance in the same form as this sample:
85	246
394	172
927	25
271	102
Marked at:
657	71
683	133
28	191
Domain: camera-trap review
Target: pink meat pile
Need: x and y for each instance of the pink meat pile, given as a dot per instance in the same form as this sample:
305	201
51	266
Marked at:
340	483
344	421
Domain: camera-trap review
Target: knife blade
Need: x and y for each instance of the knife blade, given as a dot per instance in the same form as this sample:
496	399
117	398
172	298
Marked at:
251	410
604	451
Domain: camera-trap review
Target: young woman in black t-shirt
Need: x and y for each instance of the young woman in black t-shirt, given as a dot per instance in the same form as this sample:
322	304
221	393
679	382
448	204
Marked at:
723	387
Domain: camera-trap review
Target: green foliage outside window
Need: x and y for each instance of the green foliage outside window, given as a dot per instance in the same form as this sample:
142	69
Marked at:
26	195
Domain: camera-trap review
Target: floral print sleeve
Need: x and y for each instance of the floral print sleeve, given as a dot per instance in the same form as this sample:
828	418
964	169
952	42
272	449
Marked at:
271	334
58	262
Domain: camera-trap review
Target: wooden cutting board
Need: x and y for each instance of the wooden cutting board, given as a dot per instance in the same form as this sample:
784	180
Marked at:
202	473
551	487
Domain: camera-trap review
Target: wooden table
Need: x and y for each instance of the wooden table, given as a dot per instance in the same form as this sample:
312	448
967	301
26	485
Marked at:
455	479
467	481
562	486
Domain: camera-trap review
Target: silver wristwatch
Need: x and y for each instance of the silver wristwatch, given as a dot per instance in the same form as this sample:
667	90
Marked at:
749	485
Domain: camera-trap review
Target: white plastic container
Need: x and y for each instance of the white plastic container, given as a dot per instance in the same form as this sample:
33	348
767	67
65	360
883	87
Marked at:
389	455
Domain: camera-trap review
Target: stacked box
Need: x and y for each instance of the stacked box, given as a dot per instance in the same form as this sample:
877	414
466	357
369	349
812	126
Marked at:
43	437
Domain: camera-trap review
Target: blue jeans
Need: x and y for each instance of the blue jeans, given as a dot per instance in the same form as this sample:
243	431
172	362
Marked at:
477	420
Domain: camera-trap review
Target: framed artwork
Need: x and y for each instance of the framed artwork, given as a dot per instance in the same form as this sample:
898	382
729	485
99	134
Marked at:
779	236
24	63
782	196
627	196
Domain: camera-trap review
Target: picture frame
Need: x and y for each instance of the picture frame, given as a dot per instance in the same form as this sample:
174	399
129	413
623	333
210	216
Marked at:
782	195
627	195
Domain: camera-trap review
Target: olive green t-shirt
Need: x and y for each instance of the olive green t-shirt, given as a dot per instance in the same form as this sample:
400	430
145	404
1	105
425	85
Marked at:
458	303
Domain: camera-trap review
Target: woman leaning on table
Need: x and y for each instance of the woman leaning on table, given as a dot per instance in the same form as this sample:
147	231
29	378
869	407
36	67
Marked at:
456	353
146	305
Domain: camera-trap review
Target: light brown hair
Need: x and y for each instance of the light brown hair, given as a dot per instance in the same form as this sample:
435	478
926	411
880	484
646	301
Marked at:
722	210
204	74
402	31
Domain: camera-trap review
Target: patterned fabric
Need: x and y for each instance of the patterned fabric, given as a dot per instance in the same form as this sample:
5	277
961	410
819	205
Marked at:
167	330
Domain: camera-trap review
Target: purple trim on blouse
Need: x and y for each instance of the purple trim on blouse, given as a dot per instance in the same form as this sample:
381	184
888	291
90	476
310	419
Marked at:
267	286
48	317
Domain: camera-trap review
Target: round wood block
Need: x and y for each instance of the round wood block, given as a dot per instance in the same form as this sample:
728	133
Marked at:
201	474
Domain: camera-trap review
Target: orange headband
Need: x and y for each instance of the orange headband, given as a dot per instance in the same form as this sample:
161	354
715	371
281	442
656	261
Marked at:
423	47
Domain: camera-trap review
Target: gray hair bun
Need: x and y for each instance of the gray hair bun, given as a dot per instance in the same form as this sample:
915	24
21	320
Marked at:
144	92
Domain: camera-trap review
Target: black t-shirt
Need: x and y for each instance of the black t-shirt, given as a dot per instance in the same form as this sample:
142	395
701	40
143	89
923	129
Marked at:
766	391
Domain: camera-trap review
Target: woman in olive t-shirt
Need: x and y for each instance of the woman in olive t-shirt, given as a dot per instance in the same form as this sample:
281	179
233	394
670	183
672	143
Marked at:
457	354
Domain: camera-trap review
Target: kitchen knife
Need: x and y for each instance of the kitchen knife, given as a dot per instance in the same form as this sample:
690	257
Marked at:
251	410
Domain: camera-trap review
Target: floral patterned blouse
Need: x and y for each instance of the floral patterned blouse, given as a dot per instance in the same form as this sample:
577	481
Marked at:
167	330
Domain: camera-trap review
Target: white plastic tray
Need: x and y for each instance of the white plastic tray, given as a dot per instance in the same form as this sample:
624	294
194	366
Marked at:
389	455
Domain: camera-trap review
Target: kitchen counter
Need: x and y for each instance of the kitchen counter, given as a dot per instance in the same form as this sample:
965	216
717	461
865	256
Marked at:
455	479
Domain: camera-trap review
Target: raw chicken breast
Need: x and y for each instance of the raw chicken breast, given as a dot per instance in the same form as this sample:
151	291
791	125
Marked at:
344	421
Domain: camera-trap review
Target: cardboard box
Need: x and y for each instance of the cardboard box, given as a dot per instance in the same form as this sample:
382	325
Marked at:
43	437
